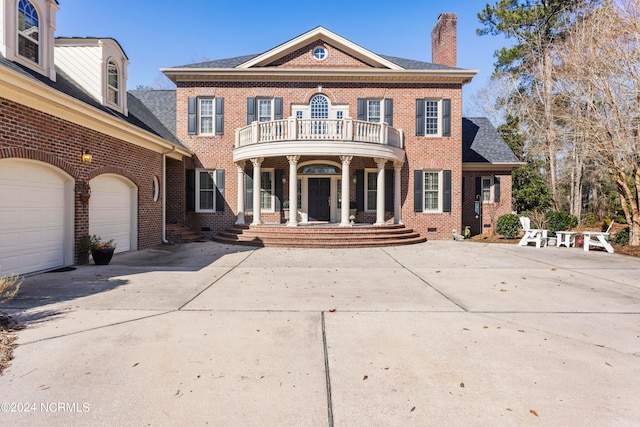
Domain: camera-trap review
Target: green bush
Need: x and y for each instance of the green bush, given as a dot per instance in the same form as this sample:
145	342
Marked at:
622	237
560	221
590	219
508	225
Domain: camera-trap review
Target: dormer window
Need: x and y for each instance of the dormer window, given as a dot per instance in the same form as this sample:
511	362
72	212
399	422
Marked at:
113	83
28	31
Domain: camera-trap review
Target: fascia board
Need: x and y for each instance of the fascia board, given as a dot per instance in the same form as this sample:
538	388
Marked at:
41	97
487	166
313	35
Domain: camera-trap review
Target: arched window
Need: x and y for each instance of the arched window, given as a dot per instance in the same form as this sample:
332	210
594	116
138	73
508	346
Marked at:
28	31
112	83
319	110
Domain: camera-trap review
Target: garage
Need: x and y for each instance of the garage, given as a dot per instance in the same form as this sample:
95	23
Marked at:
113	210
36	217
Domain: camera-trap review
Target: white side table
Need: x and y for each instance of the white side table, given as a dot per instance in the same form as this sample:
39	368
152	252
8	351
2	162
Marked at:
567	238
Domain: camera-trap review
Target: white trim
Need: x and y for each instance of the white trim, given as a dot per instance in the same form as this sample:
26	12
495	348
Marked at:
368	171
319	33
439	119
491	189
271	171
212	173
199	115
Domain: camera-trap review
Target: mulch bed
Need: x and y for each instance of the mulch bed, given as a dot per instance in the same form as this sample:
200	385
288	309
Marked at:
8	337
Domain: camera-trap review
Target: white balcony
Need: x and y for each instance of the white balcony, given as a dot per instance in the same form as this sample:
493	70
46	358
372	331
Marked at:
314	130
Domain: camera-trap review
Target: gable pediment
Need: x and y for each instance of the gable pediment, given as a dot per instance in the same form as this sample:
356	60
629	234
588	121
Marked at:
340	53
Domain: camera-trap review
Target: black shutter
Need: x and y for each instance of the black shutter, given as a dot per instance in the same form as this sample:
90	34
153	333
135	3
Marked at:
496	189
417	191
446	117
192	116
219	116
389	190
220	202
419	117
360	189
248	201
362	109
278	108
190	190
279	193
388	111
446	191
251	110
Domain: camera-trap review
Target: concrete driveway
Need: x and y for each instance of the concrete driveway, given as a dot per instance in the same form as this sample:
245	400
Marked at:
440	333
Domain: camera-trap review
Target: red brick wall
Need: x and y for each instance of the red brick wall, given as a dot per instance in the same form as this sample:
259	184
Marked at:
422	152
303	58
479	225
30	134
444	40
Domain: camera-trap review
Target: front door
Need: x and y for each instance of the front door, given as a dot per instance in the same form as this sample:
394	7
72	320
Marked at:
319	197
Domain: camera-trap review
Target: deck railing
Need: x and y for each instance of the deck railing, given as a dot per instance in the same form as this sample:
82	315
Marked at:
293	129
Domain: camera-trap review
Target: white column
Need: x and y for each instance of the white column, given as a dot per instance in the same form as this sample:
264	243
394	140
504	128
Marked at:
397	196
380	192
256	190
293	190
241	193
344	214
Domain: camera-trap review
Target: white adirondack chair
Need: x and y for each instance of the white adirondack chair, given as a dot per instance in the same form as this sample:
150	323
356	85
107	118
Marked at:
532	235
598	238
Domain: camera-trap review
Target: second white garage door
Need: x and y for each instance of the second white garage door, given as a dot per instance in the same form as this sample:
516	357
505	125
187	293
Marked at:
113	210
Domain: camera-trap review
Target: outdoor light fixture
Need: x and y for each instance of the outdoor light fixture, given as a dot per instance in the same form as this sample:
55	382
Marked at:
86	156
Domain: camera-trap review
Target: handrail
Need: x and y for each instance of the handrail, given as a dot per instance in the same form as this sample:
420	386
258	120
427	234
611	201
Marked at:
294	129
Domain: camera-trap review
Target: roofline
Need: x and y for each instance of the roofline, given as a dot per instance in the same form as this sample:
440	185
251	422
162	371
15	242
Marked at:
317	34
37	95
491	166
68	40
313	74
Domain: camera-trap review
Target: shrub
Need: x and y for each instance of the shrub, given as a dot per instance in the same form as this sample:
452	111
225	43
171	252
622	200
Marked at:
560	221
622	237
590	219
508	225
9	286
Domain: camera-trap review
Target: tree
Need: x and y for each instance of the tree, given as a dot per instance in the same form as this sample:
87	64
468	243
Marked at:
598	72
536	26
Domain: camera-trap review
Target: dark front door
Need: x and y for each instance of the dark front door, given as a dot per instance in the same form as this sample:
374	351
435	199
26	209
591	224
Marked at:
319	195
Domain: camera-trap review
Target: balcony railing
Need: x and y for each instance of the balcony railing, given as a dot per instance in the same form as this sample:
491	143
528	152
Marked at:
293	129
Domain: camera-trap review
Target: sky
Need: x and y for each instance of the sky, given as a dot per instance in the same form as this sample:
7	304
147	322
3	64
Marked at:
162	33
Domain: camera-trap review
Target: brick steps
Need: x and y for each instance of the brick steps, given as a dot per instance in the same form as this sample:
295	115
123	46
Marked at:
178	233
319	236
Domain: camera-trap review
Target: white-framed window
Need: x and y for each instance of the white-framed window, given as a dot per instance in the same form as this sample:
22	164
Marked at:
113	83
320	53
28	31
432	115
487	189
432	191
370	190
265	109
205	190
374	110
206	116
267	190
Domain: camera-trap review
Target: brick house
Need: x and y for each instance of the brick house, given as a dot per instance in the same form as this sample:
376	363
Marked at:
320	123
62	100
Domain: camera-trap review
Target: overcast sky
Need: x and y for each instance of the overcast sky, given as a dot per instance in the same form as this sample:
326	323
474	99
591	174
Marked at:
159	34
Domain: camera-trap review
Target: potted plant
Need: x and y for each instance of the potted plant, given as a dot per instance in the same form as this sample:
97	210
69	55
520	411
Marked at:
285	209
101	251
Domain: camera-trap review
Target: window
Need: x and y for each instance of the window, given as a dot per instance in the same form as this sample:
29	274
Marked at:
371	193
373	110
319	110
28	31
320	53
205	116
487	189
265	110
431	191
206	190
112	83
266	190
433	117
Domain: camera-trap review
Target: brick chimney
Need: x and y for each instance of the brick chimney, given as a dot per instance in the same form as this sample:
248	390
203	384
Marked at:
443	40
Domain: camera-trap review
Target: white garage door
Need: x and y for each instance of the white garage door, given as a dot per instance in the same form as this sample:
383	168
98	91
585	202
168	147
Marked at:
35	216
112	210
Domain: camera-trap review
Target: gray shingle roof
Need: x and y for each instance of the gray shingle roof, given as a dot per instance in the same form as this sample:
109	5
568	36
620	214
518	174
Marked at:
161	104
139	114
481	143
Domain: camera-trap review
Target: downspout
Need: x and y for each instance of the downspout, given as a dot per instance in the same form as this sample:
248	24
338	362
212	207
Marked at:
164	195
